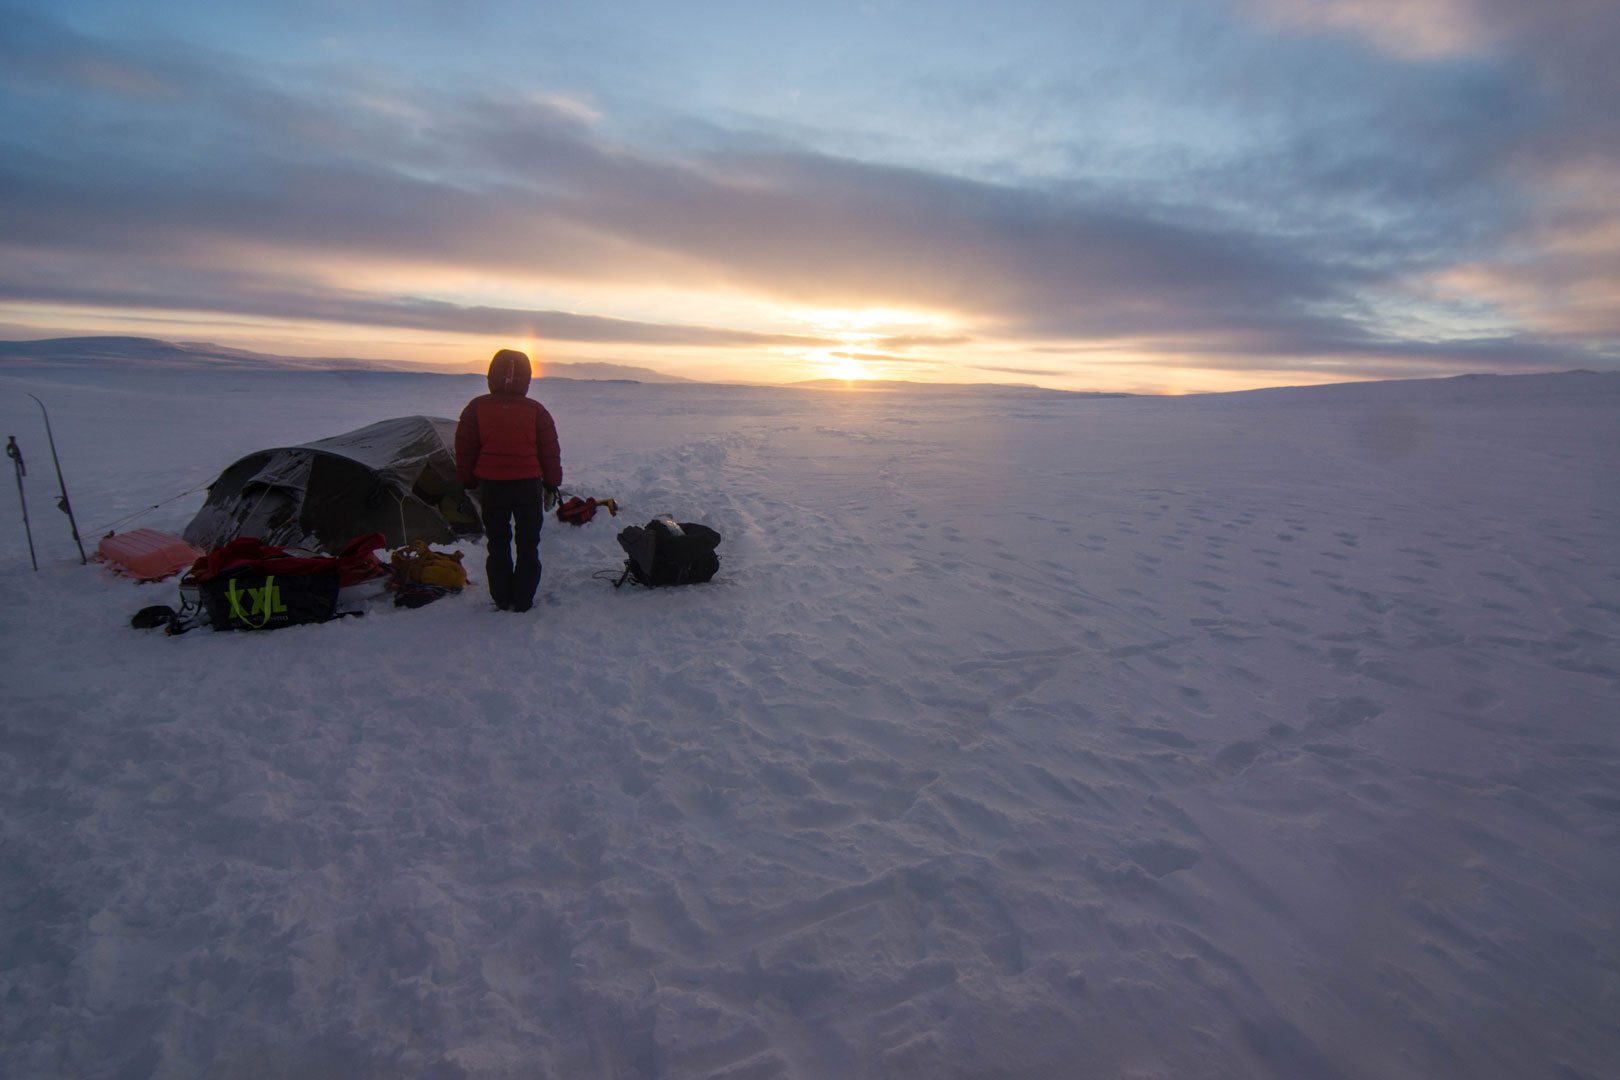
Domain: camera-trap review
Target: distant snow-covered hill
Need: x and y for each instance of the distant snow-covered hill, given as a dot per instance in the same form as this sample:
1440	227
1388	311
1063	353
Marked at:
133	352
154	354
1458	388
869	385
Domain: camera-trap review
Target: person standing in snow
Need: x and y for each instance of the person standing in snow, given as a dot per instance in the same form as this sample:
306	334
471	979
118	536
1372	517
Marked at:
506	450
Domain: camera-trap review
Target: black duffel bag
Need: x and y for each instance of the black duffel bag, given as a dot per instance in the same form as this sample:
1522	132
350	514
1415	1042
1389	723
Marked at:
255	601
667	552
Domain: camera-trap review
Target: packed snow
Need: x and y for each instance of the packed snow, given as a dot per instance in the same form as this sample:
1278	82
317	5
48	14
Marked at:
1020	735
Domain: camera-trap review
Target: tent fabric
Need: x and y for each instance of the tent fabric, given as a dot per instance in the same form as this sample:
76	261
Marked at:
396	477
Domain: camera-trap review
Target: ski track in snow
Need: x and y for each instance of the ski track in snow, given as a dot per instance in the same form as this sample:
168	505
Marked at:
1265	735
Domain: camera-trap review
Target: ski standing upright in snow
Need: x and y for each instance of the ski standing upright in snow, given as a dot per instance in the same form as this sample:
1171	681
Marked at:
62	503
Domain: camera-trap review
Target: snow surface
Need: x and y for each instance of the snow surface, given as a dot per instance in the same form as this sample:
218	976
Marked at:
1025	735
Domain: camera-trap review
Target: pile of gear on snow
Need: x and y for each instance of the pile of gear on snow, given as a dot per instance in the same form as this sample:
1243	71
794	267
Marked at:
246	584
290	535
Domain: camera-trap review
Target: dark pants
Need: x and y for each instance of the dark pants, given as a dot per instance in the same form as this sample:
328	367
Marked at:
512	507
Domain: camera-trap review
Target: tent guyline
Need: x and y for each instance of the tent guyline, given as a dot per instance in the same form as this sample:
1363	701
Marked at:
109	528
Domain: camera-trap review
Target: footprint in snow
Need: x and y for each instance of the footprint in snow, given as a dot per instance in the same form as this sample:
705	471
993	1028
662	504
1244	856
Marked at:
1161	857
1163	736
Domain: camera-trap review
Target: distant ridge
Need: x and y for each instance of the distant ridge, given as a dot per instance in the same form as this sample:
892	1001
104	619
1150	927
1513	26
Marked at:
89	353
1473	387
159	355
601	371
56	353
946	388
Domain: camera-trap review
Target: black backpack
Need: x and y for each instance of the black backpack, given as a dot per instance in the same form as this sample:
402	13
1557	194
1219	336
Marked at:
664	552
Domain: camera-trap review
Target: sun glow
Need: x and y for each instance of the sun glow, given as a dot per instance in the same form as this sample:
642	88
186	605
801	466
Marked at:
871	343
846	367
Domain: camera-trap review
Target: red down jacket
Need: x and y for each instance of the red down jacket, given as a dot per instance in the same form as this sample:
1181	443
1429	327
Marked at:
504	434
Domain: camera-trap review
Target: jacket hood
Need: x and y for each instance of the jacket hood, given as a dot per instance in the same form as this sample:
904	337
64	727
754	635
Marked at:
509	373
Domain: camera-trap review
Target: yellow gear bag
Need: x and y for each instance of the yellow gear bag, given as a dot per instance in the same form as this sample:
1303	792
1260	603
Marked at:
421	565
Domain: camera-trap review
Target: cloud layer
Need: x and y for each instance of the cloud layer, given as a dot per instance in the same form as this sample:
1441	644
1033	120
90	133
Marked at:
1453	213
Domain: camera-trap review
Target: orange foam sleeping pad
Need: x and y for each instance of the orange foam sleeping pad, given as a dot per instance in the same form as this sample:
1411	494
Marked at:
146	554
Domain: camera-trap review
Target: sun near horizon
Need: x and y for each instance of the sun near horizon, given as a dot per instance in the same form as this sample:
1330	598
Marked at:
844	361
847	345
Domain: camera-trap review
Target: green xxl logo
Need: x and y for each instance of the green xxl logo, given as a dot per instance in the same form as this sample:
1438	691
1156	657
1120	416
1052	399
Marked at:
263	602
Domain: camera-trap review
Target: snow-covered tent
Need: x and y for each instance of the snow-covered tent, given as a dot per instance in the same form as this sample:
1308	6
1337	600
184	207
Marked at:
396	477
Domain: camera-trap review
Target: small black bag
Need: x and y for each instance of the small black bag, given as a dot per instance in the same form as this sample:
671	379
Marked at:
668	553
252	601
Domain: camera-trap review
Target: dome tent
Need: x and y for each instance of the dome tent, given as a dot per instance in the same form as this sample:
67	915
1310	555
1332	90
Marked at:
396	477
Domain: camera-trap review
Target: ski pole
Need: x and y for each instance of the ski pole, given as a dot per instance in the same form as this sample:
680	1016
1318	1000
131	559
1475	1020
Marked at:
22	470
62	503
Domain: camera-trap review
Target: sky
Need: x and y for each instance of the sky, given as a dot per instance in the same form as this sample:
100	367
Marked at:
1167	196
